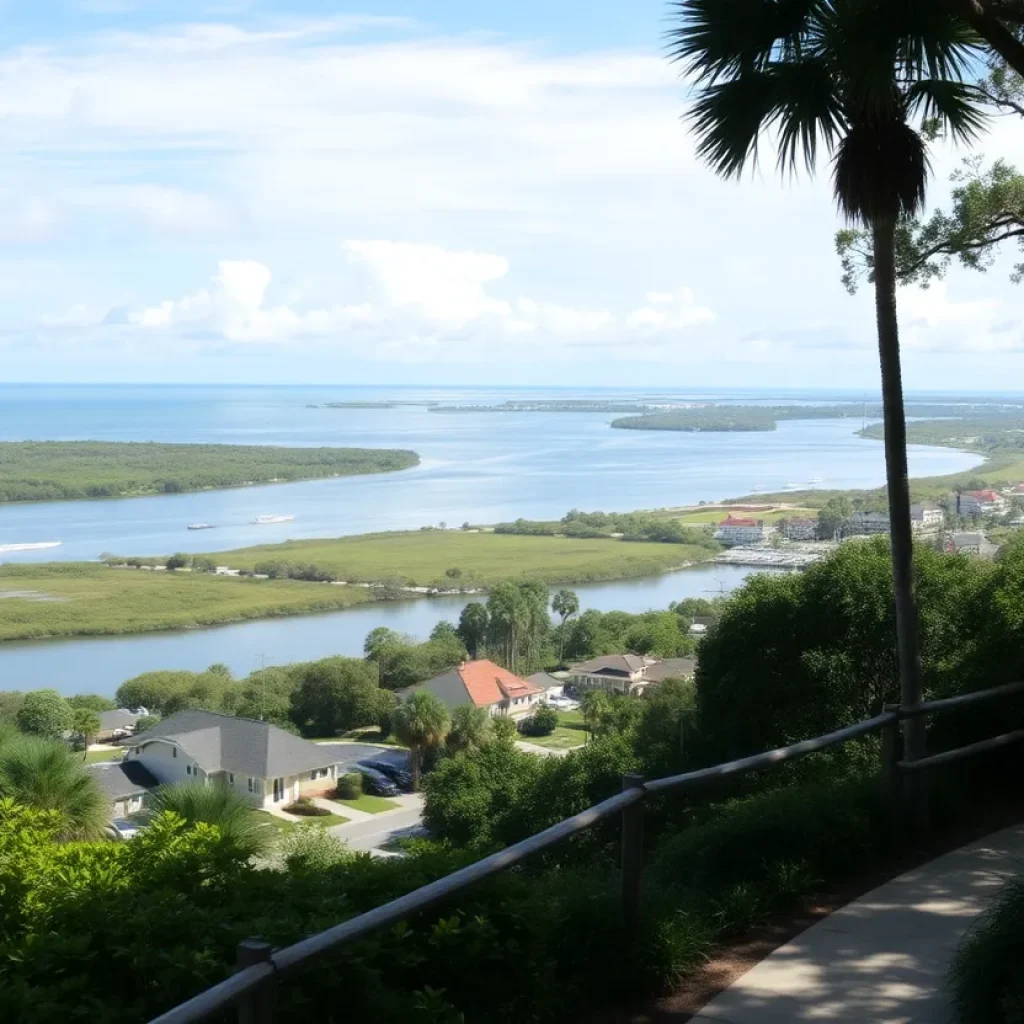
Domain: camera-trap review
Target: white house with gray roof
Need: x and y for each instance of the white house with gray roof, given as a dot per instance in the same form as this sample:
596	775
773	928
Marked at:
261	762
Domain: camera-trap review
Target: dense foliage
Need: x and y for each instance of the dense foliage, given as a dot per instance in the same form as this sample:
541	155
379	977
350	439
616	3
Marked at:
628	526
47	470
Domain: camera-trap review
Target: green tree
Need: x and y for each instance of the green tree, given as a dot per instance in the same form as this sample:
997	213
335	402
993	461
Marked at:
508	619
44	713
334	695
179	561
834	517
10	703
214	805
445	632
596	706
85	724
470	728
472	628
46	775
848	76
565	604
542	722
420	722
381	647
999	24
92	701
145	722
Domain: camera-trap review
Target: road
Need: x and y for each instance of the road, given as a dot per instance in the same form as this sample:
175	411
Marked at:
350	753
370	835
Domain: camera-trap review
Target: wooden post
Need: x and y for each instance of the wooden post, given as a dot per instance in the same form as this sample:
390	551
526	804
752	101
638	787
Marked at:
632	853
257	1006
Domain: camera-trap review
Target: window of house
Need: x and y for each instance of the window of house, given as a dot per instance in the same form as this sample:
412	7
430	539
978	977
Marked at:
174	751
231	778
250	786
188	769
138	750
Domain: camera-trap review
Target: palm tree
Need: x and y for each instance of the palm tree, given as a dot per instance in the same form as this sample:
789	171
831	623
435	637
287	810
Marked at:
473	623
419	723
44	774
851	76
999	25
565	605
214	805
85	723
470	729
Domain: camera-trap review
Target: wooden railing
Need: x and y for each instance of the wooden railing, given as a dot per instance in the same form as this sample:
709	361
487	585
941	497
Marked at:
259	969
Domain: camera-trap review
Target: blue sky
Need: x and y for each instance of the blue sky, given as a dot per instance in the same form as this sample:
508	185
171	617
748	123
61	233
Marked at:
420	192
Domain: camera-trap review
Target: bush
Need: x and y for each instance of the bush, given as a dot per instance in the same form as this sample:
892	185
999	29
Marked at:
542	722
986	976
349	787
305	806
179	561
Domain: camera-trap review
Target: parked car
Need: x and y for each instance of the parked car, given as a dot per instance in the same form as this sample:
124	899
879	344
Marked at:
125	829
396	773
376	782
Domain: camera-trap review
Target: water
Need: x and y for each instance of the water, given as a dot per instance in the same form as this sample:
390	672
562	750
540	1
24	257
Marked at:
480	467
101	664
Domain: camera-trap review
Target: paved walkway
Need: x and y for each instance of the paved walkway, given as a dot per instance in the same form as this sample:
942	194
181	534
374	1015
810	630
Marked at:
883	958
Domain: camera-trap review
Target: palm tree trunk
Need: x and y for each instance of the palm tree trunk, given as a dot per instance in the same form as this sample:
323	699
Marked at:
884	241
978	14
415	755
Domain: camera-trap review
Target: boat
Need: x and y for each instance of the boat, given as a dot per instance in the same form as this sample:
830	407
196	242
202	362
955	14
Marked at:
265	520
201	526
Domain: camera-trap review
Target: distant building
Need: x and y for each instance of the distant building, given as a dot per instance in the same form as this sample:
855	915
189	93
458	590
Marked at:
979	503
971	544
628	673
113	721
926	517
799	529
740	531
551	685
482	684
124	783
869	522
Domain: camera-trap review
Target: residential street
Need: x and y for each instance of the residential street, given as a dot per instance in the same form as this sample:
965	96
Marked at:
382	828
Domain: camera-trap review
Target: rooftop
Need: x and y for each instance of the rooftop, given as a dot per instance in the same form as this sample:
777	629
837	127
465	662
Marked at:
243	745
730	521
120	779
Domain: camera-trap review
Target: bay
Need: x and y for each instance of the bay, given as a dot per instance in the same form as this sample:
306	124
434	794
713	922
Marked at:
477	467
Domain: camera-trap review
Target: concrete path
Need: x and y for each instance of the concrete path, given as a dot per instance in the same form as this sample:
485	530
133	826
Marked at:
883	958
535	748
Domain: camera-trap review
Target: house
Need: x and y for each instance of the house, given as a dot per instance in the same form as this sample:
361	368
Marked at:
869	522
799	529
926	517
700	624
114	721
971	544
551	685
628	673
733	530
125	784
263	763
979	503
483	684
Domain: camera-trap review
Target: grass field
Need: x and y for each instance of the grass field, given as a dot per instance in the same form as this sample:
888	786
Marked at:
282	825
368	803
569	733
423	558
700	517
67	599
93	756
61	470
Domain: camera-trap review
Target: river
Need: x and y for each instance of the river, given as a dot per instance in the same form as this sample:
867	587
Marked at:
101	664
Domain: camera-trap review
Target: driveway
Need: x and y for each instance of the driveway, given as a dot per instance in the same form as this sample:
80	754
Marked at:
351	753
369	835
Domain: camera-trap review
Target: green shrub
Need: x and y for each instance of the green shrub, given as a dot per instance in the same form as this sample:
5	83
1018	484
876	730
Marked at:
987	978
349	786
179	561
305	806
542	722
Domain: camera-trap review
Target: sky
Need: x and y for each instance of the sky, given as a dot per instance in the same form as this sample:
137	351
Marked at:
412	192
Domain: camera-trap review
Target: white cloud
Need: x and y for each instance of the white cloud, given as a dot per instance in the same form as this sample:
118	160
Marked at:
670	311
931	321
448	287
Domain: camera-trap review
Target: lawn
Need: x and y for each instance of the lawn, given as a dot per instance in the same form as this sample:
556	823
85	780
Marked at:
56	470
425	558
569	733
94	756
716	515
283	826
77	598
368	803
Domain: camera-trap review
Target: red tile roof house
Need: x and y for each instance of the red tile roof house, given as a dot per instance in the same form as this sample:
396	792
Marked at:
740	531
483	684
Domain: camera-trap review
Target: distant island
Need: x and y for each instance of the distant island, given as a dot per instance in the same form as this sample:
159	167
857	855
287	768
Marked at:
726	418
370	405
65	470
553	405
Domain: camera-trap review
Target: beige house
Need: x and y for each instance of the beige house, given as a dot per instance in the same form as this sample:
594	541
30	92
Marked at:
125	785
263	763
628	673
